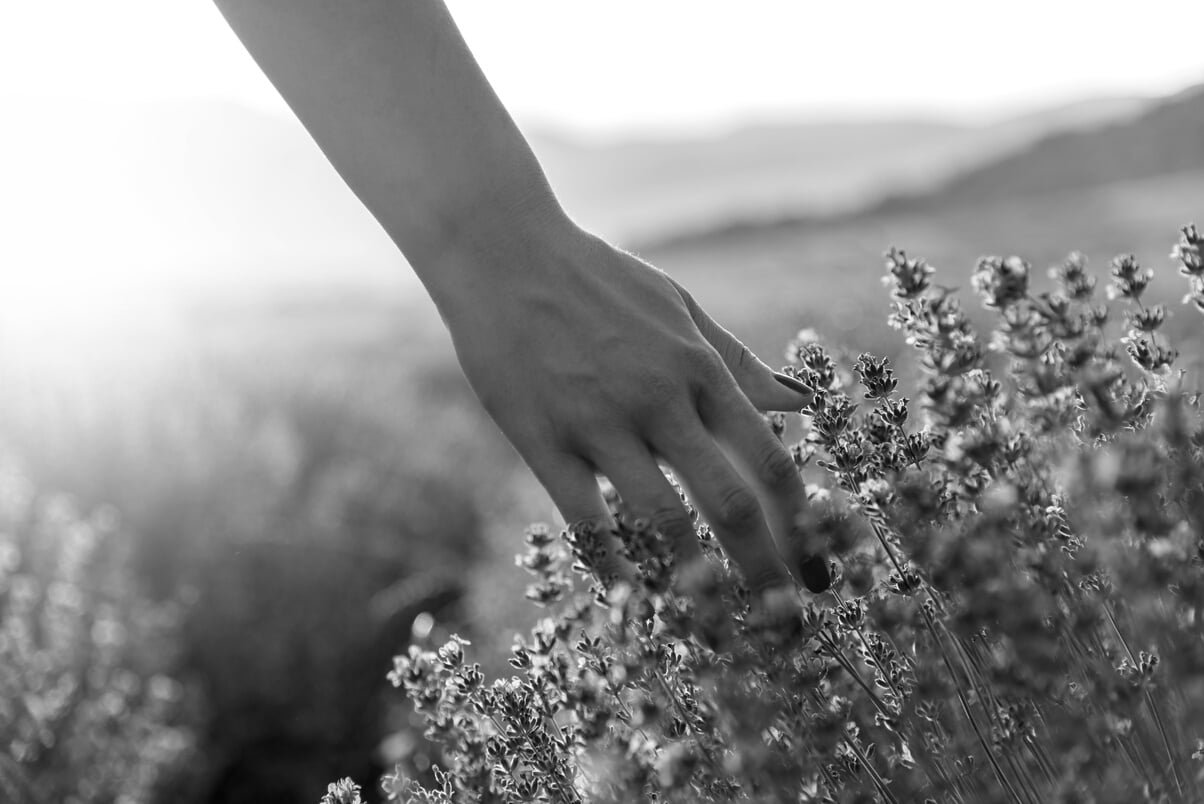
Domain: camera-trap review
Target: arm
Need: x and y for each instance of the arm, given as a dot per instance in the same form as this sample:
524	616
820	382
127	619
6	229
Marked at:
588	359
393	97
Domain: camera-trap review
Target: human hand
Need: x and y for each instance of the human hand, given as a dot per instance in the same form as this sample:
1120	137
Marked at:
593	361
587	358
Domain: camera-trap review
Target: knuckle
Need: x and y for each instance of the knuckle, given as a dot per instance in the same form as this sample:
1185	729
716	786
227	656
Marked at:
738	509
657	393
703	361
660	389
671	520
776	467
764	577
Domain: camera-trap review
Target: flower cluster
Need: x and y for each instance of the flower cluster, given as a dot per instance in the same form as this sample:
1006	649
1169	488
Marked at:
1018	589
1190	253
344	791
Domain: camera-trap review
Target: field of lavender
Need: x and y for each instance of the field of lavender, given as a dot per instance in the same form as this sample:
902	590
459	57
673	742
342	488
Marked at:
218	531
1019	584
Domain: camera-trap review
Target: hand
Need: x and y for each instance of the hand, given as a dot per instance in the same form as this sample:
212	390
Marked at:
592	361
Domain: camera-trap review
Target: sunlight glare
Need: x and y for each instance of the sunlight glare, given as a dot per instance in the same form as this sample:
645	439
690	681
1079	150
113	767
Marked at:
70	321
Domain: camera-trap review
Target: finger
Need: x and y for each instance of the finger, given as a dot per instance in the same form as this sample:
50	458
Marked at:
765	388
726	500
647	493
749	439
573	487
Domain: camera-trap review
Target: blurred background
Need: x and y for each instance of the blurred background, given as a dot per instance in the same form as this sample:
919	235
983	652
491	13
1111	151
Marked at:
239	465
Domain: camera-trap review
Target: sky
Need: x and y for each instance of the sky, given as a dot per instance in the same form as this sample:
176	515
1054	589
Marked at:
613	67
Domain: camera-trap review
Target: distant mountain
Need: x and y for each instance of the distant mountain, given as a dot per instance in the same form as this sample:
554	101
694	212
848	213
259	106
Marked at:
1167	139
1122	187
641	190
1072	148
216	195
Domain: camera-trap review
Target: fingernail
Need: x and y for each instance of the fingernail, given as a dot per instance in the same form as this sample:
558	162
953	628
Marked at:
815	573
792	384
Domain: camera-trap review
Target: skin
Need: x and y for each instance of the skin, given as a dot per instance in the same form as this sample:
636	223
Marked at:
589	360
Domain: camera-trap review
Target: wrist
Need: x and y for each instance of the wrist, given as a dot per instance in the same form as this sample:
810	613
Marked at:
488	249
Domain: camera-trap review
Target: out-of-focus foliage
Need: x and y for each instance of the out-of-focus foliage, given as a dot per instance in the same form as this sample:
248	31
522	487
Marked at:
89	713
1019	564
278	472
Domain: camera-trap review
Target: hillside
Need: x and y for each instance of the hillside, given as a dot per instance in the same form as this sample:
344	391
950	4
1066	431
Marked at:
216	196
1136	144
1126	187
1167	139
642	189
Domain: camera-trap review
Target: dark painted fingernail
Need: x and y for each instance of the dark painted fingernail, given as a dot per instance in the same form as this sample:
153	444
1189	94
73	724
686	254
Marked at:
816	574
792	384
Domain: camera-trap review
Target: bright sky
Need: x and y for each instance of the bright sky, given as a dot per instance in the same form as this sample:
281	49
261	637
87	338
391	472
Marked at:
613	65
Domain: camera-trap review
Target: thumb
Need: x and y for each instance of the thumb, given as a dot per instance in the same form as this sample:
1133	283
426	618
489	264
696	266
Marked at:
764	387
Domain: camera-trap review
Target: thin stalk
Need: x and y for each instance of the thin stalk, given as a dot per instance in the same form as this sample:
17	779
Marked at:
985	694
852	671
1003	779
1166	743
954	779
706	752
1140	766
890	640
865	644
878	530
1131	755
832	786
949	784
879	782
911	453
1043	761
1026	779
823	768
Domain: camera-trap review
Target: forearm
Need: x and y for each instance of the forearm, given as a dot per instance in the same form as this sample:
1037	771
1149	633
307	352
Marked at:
394	98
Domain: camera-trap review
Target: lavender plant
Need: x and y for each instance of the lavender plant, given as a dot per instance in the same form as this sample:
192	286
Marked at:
88	710
1017	601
